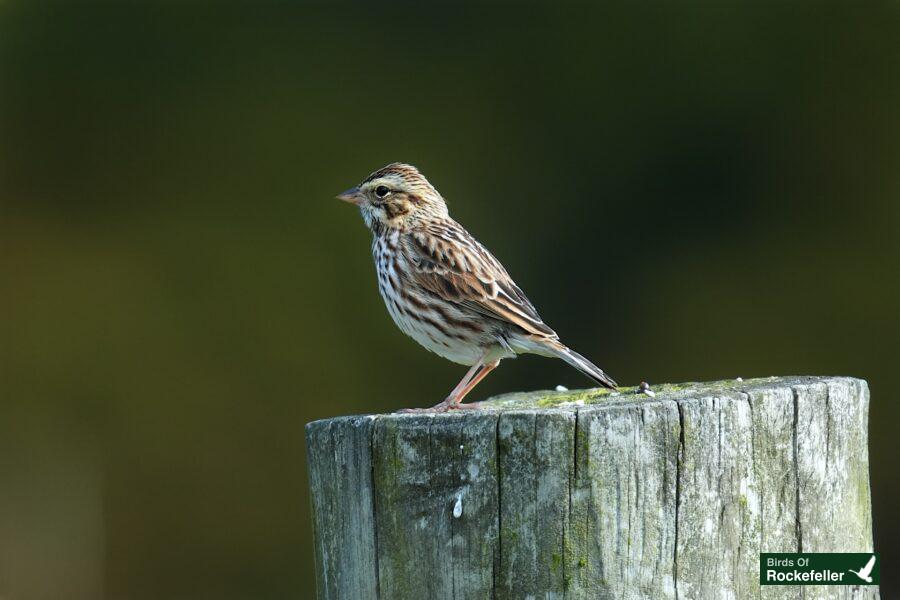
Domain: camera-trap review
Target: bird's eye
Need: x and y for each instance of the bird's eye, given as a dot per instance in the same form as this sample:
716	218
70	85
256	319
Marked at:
381	191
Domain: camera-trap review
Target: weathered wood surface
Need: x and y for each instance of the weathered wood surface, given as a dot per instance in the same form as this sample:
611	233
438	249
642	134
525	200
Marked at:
590	495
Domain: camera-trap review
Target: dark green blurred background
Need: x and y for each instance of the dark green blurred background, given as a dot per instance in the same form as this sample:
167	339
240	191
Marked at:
686	192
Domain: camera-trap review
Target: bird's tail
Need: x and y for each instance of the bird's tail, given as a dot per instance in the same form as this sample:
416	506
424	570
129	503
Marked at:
585	366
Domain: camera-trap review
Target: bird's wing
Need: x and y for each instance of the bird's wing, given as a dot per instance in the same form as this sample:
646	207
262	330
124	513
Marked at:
868	568
448	262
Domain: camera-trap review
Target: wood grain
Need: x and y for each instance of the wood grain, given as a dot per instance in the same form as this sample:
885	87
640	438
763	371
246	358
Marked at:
590	494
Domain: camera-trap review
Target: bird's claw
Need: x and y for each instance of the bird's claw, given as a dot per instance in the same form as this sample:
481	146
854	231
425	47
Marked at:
441	407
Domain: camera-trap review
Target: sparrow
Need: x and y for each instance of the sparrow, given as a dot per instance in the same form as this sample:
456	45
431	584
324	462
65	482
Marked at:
444	289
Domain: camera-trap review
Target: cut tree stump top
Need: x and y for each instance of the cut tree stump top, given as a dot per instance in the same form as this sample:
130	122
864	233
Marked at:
594	494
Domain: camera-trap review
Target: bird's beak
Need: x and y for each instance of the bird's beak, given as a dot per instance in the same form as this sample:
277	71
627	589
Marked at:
352	196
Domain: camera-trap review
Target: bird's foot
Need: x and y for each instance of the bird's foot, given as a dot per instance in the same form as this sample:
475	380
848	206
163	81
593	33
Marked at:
469	406
413	411
446	405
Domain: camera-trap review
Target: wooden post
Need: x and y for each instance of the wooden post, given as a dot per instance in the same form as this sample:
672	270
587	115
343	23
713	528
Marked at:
590	494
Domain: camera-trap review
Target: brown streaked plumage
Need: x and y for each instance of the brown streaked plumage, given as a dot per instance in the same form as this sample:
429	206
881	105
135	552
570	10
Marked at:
443	288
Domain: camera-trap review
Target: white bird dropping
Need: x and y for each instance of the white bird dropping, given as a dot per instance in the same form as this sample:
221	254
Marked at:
457	507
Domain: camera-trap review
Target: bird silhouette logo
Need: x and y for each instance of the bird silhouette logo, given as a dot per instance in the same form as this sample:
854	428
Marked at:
865	572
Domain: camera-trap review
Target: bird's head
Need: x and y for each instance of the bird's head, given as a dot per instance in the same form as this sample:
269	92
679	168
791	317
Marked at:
396	197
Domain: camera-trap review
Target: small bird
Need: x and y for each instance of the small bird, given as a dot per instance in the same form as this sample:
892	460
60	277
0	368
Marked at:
866	572
444	289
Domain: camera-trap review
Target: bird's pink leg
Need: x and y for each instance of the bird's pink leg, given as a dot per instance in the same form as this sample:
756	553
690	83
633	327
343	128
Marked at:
478	372
454	402
442	406
459	390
